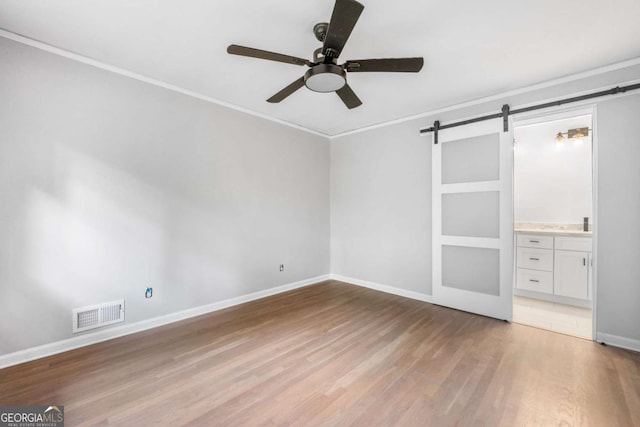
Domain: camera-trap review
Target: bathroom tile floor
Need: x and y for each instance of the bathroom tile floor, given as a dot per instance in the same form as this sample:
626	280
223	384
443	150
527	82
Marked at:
565	319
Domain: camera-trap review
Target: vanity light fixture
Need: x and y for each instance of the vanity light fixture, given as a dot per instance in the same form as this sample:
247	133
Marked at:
575	134
578	133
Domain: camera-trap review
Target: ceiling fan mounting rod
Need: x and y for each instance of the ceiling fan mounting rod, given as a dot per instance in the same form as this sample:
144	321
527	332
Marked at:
330	54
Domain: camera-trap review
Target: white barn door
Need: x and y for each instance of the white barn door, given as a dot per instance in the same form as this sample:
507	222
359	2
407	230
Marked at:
473	219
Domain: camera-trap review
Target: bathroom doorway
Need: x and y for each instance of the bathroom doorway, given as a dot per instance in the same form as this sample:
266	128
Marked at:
554	222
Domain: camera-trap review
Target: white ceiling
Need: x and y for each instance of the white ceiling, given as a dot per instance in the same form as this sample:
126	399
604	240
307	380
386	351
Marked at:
471	48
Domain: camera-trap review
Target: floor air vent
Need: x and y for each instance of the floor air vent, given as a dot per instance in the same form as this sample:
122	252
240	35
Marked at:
97	316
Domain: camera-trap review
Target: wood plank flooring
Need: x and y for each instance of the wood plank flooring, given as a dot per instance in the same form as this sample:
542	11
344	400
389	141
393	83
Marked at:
336	354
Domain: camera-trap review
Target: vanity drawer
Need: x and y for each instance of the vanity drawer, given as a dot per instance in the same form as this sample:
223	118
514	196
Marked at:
535	259
535	241
581	244
535	280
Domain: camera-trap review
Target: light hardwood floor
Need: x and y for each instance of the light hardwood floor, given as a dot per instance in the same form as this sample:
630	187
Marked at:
336	354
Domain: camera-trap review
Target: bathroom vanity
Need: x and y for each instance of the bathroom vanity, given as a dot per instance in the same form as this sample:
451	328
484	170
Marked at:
554	265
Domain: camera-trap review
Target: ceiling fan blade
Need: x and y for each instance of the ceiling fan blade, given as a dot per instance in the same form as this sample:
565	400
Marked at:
287	91
234	49
397	65
343	19
349	98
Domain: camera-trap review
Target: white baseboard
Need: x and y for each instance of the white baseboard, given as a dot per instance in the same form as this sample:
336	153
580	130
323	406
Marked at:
38	352
127	329
617	341
384	288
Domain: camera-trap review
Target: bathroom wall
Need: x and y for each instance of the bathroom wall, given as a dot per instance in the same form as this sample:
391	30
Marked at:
552	181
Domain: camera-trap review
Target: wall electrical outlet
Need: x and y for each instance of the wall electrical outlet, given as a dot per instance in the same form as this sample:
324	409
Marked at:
148	293
281	267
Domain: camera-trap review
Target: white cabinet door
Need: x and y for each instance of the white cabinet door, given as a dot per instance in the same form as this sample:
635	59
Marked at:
571	274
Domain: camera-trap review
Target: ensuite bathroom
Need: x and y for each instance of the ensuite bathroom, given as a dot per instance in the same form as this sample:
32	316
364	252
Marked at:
553	223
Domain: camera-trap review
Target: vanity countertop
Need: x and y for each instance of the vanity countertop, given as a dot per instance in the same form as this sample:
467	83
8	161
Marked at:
553	232
551	229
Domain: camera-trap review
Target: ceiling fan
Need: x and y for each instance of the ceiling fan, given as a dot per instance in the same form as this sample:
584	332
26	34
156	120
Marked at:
324	73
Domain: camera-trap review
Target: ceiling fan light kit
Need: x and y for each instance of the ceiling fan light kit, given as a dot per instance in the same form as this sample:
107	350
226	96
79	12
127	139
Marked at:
325	75
325	78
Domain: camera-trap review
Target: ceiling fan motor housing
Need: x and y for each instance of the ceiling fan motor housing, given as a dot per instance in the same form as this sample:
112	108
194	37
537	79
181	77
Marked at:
325	78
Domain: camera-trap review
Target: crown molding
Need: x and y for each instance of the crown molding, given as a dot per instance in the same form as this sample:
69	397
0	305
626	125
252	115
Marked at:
526	89
159	83
146	79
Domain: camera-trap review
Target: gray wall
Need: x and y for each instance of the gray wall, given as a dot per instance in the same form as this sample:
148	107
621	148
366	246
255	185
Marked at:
109	185
381	207
618	302
381	200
